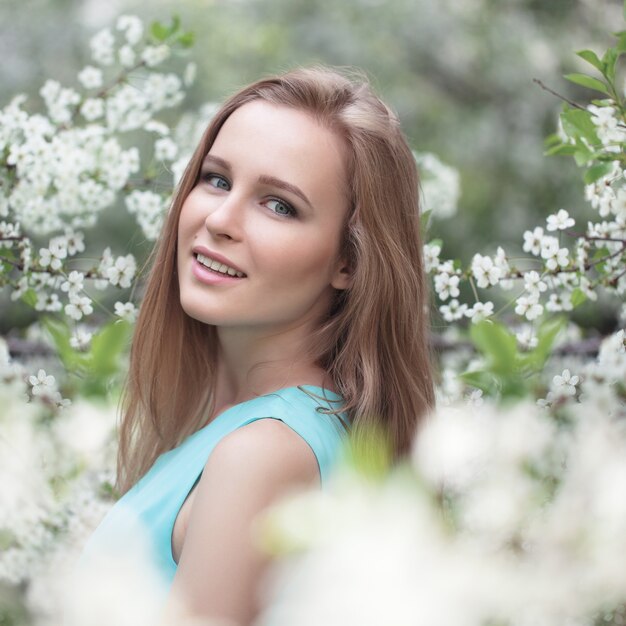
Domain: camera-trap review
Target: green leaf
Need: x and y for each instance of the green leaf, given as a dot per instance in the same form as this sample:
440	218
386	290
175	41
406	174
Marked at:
577	123
29	298
552	140
369	451
497	344
186	40
546	335
597	171
481	379
588	81
562	149
107	346
60	333
621	41
159	31
591	57
609	59
577	297
583	154
175	25
425	221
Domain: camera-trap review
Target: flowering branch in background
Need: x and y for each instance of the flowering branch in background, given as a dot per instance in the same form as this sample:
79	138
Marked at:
566	264
565	267
61	169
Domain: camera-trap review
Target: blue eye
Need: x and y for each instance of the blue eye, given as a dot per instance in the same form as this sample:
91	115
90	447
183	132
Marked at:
217	181
280	207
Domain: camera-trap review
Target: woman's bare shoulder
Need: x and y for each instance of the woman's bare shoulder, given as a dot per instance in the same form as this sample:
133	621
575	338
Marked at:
268	448
249	469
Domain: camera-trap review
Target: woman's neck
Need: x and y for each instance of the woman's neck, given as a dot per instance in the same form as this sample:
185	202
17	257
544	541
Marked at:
252	363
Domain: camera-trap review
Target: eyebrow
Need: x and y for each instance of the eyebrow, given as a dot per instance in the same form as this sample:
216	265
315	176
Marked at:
264	180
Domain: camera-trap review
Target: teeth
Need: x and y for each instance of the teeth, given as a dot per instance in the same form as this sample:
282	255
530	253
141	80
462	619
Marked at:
217	266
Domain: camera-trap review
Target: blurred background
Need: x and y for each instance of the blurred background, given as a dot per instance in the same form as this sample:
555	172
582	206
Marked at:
459	73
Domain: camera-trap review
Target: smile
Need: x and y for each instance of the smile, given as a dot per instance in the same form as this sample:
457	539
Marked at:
218	267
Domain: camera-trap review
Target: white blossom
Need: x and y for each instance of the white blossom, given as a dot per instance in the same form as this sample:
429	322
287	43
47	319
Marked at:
485	271
480	311
189	75
127	56
74	282
153	126
586	287
106	262
559	302
501	262
90	77
527	338
559	221
132	26
154	55
440	185
529	307
431	256
533	240
476	397
565	383
533	283
9	230
92	109
78	307
453	310
618	204
149	208
48	302
610	133
42	384
59	102
122	271
80	339
102	47
165	149
446	285
126	310
74	242
553	255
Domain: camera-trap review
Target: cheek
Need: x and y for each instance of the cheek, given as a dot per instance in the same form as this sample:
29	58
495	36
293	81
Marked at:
189	216
299	261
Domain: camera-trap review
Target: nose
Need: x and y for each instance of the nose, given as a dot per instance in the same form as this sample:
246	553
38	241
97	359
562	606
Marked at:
225	221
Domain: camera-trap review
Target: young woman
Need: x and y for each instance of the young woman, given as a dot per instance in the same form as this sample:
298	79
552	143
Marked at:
286	306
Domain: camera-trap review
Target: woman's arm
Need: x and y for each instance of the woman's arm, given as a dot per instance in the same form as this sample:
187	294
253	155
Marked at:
220	568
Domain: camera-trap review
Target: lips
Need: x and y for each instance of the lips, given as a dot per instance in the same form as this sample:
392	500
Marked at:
217	262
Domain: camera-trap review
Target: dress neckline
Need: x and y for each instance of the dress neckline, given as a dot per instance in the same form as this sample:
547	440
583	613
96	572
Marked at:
278	392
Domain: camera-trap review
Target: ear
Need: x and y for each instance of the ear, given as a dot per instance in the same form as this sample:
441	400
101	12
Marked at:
342	278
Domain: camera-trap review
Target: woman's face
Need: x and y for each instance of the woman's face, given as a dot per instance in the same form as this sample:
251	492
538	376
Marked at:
269	207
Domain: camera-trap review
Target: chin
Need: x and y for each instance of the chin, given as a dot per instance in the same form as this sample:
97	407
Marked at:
196	312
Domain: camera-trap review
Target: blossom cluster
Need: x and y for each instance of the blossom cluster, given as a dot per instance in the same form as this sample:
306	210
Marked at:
53	460
61	168
563	277
563	267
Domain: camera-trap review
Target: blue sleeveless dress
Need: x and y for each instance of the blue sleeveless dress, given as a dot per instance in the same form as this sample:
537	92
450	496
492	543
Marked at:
149	509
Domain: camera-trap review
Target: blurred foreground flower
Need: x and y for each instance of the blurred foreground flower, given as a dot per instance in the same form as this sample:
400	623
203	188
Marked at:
507	515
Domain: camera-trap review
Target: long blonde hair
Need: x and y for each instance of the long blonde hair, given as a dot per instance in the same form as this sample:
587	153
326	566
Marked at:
374	343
